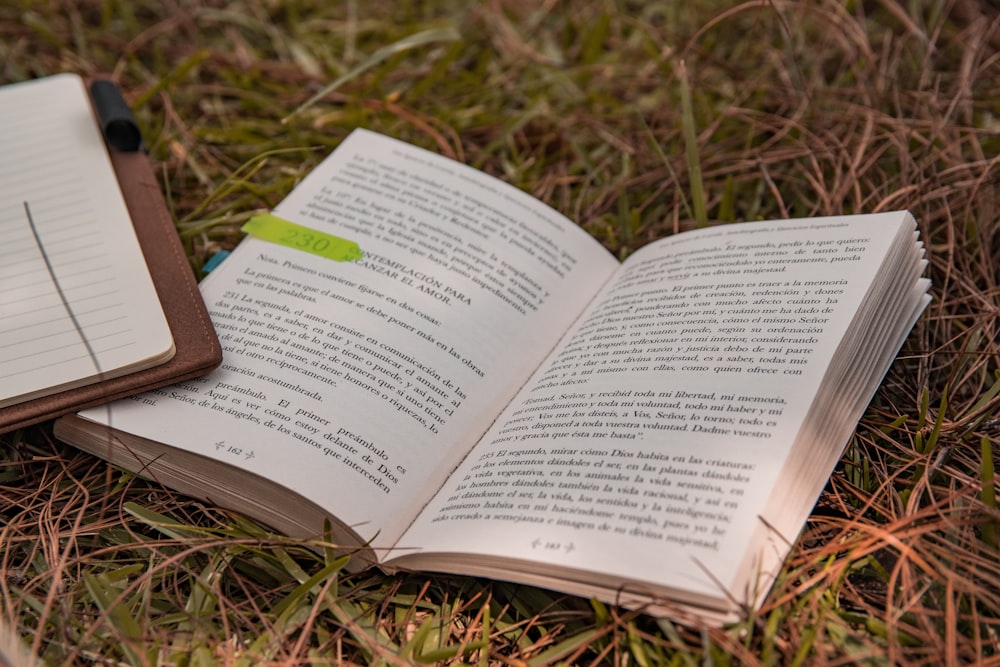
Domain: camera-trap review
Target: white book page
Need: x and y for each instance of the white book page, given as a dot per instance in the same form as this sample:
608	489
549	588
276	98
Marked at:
360	385
647	445
70	257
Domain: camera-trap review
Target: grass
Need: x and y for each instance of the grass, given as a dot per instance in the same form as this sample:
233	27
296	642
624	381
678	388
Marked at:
638	120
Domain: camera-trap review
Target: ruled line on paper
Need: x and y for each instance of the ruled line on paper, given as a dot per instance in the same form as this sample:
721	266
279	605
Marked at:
61	332
62	361
37	283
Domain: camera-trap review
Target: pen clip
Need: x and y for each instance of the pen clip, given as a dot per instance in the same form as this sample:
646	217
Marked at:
117	122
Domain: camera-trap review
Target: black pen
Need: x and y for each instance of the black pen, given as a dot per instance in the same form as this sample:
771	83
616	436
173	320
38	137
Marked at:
117	122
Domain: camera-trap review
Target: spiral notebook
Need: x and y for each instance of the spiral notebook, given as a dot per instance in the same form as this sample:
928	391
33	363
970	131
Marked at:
97	299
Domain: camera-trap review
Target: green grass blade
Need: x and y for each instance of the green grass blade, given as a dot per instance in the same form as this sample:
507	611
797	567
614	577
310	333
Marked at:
425	37
106	596
162	523
565	648
691	149
306	586
989	531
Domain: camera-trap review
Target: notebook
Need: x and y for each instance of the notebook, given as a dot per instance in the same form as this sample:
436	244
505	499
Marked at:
97	298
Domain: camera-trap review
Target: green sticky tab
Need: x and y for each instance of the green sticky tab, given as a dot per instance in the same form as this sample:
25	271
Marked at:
271	228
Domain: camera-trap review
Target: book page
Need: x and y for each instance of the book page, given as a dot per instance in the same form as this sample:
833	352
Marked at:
648	444
361	384
78	303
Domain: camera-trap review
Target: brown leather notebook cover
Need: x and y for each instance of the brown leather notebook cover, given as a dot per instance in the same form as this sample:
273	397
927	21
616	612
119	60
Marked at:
197	346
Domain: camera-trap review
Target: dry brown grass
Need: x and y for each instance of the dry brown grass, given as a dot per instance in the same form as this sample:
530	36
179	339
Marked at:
799	108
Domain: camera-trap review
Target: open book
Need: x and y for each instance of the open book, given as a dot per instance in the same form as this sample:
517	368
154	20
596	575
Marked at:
487	391
98	298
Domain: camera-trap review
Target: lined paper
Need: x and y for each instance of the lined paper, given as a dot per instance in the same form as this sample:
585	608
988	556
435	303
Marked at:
55	176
